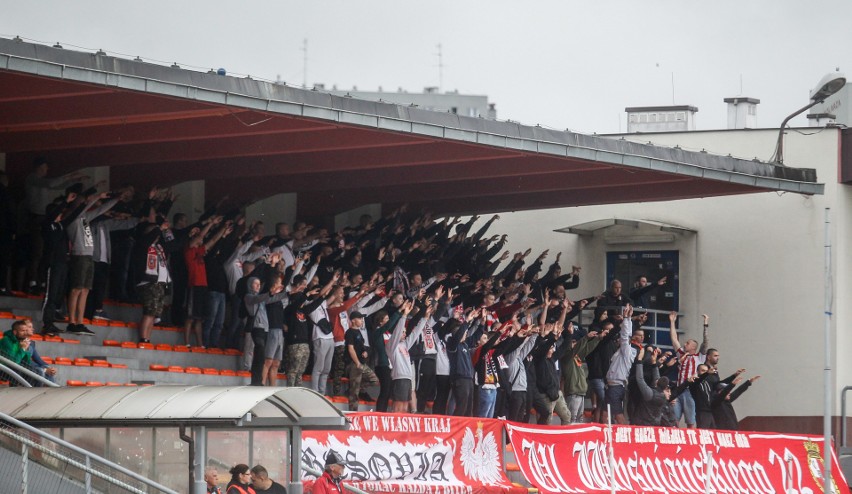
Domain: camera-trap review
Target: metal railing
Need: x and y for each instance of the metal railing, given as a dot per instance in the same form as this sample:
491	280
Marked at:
33	461
843	450
656	327
23	376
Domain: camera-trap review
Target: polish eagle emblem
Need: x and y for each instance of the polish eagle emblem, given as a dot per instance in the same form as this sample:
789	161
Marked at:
480	455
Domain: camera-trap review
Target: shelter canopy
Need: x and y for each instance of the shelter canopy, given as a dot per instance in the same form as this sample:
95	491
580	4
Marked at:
153	406
251	139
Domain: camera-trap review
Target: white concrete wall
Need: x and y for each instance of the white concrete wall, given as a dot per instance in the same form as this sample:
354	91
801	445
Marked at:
755	265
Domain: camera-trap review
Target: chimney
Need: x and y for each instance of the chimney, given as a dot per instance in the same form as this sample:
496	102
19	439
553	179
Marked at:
742	112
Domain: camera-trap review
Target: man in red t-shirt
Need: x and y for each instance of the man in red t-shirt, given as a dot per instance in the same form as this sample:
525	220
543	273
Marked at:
194	254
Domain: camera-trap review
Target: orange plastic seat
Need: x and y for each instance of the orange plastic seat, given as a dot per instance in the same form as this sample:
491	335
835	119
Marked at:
131	384
198	349
70	342
62	361
117	324
111	343
100	363
133	325
193	370
128	344
100	322
175	368
215	351
118	366
180	348
282	376
6	315
47	360
243	373
72	382
37	337
52	339
210	371
233	352
94	383
227	372
145	346
110	383
157	367
84	362
163	346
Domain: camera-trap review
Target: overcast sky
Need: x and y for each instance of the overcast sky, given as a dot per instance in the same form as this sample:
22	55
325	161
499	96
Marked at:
561	64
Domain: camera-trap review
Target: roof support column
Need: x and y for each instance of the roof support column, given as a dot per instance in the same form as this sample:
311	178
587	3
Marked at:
199	460
295	486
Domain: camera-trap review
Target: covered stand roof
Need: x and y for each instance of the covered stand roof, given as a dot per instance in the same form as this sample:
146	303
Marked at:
251	139
157	406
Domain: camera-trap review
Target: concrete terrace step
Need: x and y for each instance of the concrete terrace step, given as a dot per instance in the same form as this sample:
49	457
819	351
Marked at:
121	332
137	358
30	306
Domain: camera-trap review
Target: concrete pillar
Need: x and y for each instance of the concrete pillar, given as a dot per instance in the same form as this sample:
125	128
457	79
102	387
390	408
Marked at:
190	200
274	209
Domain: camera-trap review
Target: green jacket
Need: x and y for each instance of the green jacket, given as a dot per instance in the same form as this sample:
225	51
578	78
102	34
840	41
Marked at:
574	373
377	340
11	349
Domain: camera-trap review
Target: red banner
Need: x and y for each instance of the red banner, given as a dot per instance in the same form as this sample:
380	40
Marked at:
400	453
582	459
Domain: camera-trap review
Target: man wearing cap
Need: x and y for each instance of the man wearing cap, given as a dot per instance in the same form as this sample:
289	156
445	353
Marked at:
357	357
330	481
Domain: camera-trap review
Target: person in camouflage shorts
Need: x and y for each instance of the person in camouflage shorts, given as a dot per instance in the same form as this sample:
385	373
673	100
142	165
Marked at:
297	361
357	356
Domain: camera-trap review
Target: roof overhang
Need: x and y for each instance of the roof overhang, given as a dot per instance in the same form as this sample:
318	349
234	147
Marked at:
248	407
590	227
251	139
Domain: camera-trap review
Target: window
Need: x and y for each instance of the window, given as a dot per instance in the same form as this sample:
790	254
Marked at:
454	109
628	266
680	116
633	118
643	118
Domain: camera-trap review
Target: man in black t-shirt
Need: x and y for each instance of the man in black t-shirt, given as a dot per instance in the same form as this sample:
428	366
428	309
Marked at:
261	482
357	357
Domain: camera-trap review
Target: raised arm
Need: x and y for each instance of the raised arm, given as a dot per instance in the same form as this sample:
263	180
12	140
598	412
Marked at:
673	330
644	389
705	342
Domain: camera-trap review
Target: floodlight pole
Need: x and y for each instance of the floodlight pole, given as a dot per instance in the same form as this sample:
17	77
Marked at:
828	85
779	145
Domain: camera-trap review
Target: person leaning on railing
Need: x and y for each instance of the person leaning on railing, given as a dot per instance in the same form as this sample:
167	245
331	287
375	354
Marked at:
17	345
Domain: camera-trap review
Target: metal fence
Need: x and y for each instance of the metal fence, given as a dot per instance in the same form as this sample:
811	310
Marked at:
33	461
656	328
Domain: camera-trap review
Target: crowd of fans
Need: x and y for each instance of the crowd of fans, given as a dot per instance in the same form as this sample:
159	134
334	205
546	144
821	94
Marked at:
426	308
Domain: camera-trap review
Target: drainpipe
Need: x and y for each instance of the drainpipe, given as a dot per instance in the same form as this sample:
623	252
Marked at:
191	442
